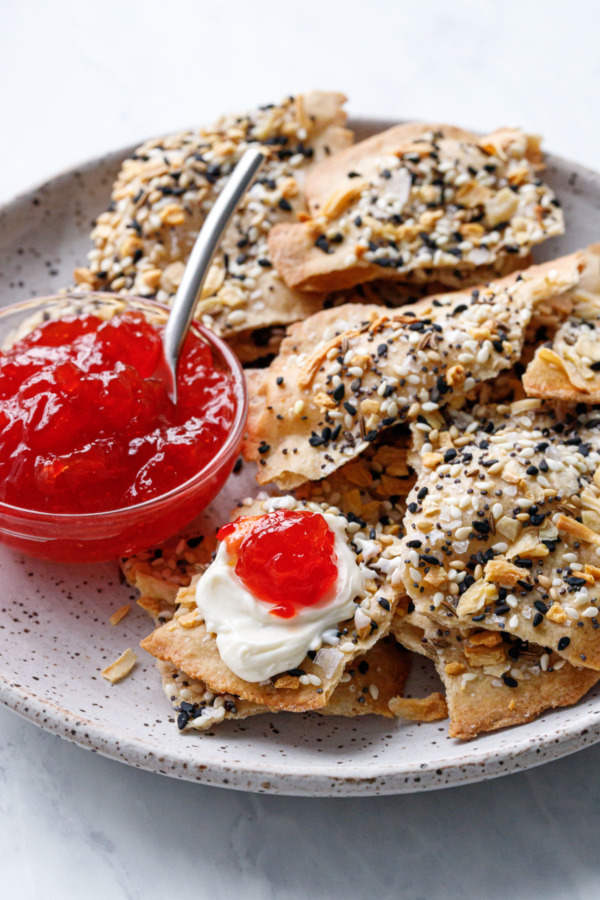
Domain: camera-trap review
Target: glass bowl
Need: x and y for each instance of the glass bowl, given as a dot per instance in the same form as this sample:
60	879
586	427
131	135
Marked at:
97	536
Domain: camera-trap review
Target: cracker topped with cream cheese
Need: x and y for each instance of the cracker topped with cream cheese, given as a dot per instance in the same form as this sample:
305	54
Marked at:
311	663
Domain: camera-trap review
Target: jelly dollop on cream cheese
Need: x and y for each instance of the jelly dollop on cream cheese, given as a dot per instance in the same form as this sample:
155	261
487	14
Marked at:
257	645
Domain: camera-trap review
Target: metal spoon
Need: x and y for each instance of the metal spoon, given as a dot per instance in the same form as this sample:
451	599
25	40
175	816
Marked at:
203	251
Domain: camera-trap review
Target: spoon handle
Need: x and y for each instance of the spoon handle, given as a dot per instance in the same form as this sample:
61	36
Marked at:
203	251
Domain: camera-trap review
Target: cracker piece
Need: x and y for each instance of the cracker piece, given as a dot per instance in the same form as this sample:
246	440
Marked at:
371	487
121	667
569	369
197	707
346	374
164	191
370	682
158	574
161	610
366	687
257	346
424	202
194	650
484	698
420	709
518	491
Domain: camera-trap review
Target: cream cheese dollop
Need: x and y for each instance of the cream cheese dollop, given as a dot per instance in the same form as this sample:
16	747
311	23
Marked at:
251	641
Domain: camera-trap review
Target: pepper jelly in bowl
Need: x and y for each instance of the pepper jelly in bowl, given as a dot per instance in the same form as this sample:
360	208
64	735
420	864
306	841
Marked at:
95	459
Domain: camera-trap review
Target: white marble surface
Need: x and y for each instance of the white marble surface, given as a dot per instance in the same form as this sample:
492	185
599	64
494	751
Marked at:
75	825
79	79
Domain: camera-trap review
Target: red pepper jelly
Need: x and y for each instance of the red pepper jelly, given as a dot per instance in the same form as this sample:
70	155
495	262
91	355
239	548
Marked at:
85	426
285	558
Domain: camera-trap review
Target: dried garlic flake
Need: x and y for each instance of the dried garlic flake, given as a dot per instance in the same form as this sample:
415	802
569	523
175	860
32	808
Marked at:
121	667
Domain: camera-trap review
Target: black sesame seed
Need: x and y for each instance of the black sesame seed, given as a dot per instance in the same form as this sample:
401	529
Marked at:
563	643
482	527
323	244
431	560
525	585
509	681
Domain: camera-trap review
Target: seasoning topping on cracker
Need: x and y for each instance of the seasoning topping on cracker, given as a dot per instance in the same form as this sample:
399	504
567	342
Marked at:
429	416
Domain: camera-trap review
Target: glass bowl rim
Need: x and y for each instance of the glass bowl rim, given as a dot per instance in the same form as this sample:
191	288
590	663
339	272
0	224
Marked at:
233	365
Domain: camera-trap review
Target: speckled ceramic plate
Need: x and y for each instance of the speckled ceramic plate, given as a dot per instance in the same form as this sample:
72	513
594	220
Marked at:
54	632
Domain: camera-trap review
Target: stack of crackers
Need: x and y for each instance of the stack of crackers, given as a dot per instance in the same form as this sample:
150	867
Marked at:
413	375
